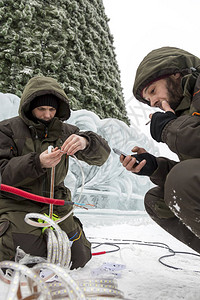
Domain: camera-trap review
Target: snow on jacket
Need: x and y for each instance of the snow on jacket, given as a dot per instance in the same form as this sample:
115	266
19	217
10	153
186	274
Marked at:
22	141
182	135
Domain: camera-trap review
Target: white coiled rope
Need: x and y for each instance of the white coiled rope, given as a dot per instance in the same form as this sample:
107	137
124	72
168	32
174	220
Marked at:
24	276
65	287
58	245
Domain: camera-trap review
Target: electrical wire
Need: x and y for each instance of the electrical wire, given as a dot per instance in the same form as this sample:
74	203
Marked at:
118	242
30	196
50	149
176	253
46	200
104	252
58	244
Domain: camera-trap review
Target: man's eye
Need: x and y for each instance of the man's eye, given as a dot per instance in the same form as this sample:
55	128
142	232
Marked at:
152	91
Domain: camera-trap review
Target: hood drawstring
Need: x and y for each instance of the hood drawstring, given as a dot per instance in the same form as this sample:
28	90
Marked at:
33	131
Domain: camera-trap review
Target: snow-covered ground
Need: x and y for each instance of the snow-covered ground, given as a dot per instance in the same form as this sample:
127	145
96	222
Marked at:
135	267
144	277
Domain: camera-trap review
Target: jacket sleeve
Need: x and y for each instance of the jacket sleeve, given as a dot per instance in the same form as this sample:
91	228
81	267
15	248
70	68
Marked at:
17	170
97	151
164	167
182	136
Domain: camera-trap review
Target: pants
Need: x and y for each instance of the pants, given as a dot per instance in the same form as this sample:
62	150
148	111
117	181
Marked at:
14	232
176	207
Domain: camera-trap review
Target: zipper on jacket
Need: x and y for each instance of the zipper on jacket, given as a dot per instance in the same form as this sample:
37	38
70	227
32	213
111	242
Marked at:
46	132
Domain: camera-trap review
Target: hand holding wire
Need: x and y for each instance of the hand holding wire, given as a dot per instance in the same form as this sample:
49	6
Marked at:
49	160
73	144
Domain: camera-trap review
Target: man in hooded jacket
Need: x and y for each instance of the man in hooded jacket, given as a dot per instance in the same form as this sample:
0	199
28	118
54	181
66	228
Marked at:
169	78
26	164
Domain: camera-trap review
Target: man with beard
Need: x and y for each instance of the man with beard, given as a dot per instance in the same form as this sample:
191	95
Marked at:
169	78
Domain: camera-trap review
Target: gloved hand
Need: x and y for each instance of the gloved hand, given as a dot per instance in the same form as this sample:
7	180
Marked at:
151	164
158	122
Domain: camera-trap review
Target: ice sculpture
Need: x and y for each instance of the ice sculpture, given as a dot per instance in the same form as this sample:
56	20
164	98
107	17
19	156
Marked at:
108	186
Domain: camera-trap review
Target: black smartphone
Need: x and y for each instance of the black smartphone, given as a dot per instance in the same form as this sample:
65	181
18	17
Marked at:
119	152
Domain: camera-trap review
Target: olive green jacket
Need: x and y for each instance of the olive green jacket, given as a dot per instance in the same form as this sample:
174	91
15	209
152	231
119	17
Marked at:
182	135
22	141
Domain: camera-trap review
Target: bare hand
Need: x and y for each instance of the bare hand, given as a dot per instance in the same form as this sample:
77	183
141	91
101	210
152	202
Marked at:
167	107
73	144
49	160
129	161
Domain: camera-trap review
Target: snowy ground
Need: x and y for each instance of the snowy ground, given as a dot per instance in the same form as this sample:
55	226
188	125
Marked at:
143	276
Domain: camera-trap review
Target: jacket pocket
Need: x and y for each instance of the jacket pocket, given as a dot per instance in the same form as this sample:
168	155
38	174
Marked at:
3	227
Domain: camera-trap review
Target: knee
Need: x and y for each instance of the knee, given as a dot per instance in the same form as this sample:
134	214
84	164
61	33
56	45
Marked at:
80	255
179	173
148	201
30	244
155	204
184	174
81	247
152	196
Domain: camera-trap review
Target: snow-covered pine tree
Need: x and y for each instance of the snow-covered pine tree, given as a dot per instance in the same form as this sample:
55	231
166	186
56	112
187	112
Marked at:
69	40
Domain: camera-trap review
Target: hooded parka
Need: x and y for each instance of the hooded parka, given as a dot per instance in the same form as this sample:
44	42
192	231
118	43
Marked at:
23	138
175	204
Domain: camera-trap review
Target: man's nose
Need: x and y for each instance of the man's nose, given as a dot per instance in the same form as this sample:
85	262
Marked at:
47	114
153	101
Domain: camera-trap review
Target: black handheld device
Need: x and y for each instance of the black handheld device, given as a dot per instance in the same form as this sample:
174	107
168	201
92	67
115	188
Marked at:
119	152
